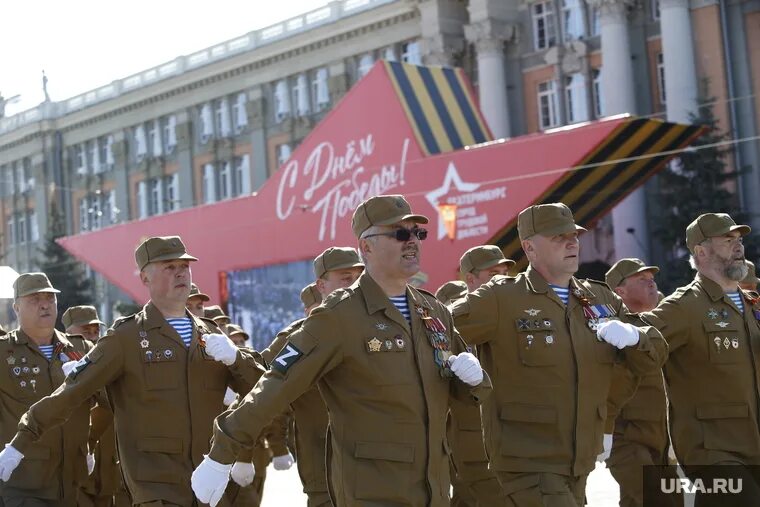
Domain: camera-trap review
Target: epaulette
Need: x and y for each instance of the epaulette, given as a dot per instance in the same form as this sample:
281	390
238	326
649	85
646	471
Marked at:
591	281
337	296
121	320
680	292
207	320
502	279
292	326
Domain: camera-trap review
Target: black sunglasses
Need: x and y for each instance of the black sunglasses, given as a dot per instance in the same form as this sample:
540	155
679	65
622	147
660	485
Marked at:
403	234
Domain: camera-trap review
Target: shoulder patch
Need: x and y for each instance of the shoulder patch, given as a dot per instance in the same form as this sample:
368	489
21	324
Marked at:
286	358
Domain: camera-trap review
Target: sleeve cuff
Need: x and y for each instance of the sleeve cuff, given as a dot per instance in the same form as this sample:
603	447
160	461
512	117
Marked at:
21	442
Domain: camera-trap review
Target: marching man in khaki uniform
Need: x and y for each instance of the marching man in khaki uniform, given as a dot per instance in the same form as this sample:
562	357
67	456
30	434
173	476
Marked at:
636	407
163	367
105	482
386	358
549	341
474	484
750	281
37	359
713	330
335	268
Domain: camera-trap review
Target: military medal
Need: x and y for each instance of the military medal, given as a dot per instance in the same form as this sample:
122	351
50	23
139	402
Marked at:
168	353
436	332
532	312
374	345
717	342
547	323
22	383
10	360
388	344
381	326
726	342
724	313
400	342
712	314
722	325
144	343
149	355
529	339
23	360
26	369
523	324
549	339
34	385
17	370
735	343
36	370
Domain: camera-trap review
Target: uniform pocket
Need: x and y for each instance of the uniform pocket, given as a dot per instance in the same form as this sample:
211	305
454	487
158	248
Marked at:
161	374
379	459
159	460
537	348
724	344
728	427
529	431
35	471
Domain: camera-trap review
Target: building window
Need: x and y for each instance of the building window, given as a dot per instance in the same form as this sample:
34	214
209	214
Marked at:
661	77
10	231
281	100
222	117
242	177
301	95
597	92
155	197
102	155
95	213
141	143
169	127
576	105
225	181
113	211
547	105
573	23
21	228
92	156
389	54
654	5
34	229
171	186
410	53
365	64
84	215
596	21
209	184
80	163
207	125
320	93
142	200
154	138
239	112
544	31
283	154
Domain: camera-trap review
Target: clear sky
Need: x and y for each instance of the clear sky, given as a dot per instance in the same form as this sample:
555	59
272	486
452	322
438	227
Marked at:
84	44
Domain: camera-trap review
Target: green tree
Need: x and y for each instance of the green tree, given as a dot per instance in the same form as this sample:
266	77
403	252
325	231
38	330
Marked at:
699	181
65	272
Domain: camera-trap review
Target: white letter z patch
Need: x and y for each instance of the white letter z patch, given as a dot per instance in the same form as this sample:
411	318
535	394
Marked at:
285	359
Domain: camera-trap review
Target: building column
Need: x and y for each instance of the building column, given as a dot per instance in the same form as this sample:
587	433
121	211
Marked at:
489	37
184	149
629	223
678	55
257	124
442	33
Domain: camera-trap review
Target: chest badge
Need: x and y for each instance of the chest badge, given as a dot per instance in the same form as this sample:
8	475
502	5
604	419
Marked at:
144	343
712	314
374	345
532	312
381	326
10	360
721	325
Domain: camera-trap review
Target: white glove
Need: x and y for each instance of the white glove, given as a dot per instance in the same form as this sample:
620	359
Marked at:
221	348
9	460
243	473
467	367
90	463
607	443
209	480
617	333
283	462
229	397
68	367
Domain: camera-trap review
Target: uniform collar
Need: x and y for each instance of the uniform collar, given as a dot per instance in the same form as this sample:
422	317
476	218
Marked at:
538	284
21	338
711	287
155	319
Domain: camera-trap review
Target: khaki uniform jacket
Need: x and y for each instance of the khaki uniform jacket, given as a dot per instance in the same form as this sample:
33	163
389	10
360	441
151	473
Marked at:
311	419
105	480
164	398
551	374
56	462
384	392
711	374
637	409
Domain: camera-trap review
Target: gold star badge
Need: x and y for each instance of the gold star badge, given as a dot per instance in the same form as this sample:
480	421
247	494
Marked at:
374	345
532	312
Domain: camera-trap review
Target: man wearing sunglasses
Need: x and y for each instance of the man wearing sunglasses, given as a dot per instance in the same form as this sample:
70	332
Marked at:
549	342
386	358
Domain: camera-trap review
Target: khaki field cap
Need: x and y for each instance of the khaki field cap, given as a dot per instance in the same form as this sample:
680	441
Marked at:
712	225
482	257
383	210
310	295
232	329
624	268
335	258
32	283
161	248
450	291
80	316
546	220
214	312
195	292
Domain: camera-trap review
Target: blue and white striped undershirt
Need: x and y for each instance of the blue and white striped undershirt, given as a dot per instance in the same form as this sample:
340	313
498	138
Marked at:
47	351
562	292
402	305
737	299
183	327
